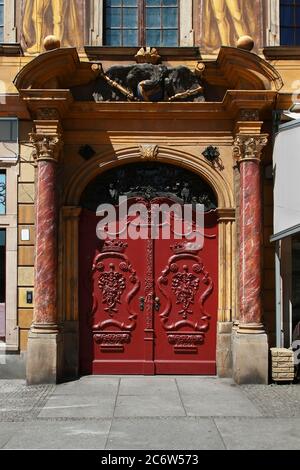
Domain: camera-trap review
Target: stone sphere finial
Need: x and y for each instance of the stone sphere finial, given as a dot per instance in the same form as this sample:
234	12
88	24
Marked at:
51	42
245	42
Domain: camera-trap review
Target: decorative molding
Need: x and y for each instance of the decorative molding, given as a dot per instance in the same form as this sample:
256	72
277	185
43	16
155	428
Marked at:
249	115
147	55
112	284
185	285
226	214
112	341
68	264
11	50
47	147
126	53
50	114
149	284
186	342
117	246
211	153
249	147
282	53
149	151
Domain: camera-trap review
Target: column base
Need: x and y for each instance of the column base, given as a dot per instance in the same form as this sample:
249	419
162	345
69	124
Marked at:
224	349
44	355
250	358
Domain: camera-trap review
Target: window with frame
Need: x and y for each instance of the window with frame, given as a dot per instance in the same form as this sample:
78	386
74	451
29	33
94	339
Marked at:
1	20
290	22
141	22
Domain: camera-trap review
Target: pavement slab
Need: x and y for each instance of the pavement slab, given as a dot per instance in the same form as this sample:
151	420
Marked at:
8	431
164	433
260	434
213	397
85	434
78	406
163	404
148	396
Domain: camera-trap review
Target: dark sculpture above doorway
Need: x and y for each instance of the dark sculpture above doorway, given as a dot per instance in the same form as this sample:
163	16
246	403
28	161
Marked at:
142	82
148	180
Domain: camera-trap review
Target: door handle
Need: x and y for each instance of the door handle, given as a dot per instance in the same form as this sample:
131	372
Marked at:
142	304
156	304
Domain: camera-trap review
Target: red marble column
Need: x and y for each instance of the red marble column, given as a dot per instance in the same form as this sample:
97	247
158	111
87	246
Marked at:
248	152
45	301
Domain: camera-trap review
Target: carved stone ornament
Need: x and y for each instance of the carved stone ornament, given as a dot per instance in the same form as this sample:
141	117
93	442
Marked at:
249	147
50	114
249	115
149	151
147	55
211	153
200	69
47	147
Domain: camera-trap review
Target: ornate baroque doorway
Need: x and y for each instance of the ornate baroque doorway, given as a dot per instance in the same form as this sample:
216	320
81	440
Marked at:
147	305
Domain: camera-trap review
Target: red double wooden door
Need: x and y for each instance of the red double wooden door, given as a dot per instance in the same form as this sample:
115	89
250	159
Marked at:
147	306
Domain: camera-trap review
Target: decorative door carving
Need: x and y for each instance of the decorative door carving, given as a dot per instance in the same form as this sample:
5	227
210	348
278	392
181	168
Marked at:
186	282
148	305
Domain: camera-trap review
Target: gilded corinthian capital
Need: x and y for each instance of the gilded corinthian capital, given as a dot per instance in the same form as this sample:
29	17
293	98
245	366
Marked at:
249	147
47	147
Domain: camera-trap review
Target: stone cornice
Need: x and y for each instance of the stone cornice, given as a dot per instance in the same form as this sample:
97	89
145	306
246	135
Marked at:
229	109
47	104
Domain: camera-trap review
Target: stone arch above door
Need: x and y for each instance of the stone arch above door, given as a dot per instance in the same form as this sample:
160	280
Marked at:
107	160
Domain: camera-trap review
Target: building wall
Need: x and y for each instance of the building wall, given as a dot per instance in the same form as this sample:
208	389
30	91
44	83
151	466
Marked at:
266	33
200	23
26	220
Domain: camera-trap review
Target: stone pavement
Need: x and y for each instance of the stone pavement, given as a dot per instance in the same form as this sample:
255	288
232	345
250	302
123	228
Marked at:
159	412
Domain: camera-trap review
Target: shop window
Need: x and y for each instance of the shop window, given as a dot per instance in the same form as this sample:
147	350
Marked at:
145	23
290	22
